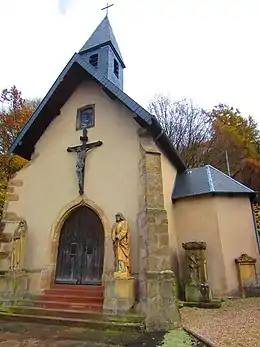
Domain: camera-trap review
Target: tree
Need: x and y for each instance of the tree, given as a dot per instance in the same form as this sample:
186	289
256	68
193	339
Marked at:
250	172
32	103
235	135
186	125
14	113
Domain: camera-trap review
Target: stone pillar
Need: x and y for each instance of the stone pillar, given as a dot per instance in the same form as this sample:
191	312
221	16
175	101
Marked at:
196	287
156	279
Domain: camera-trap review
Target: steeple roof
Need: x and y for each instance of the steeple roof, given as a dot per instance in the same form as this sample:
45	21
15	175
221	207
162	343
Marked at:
102	36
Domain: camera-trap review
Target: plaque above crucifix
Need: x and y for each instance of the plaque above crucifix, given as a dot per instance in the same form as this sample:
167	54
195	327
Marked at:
81	151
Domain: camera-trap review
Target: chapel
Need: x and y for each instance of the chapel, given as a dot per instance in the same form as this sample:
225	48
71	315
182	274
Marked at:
105	205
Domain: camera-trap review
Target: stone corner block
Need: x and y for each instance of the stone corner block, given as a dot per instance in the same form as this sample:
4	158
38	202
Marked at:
15	182
11	197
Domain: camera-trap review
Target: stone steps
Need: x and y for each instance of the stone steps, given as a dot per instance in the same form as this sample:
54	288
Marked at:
78	287
78	314
73	292
72	297
69	305
73	317
71	289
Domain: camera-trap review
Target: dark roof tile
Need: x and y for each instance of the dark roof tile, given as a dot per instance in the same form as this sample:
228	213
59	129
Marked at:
206	180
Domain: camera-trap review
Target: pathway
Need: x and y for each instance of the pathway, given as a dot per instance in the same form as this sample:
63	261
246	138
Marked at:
236	323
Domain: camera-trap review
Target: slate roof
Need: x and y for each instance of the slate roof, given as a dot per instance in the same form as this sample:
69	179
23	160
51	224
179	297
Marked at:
207	180
77	70
101	36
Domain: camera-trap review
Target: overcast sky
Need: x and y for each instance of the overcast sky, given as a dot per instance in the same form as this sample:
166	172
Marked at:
207	50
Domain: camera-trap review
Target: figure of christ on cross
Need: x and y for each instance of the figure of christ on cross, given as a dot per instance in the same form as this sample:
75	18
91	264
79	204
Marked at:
81	151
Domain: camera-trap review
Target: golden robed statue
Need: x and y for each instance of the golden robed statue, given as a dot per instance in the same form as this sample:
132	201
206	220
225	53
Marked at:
121	243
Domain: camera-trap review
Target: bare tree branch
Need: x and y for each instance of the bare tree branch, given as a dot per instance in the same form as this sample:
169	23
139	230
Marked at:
187	126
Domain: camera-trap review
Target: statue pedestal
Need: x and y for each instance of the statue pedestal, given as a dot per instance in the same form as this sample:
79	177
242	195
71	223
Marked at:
119	294
197	292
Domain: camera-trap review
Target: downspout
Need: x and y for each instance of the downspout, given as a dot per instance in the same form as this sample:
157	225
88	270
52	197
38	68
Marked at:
255	225
158	136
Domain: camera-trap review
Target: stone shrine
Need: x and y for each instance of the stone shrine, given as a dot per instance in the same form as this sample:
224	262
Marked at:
196	287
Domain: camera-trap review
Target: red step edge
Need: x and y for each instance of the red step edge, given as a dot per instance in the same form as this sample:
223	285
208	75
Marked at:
68	306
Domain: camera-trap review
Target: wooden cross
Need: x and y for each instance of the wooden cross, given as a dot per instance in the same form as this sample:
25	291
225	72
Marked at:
106	8
81	151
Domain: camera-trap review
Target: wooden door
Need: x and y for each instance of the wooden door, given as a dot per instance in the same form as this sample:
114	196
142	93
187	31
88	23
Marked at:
81	248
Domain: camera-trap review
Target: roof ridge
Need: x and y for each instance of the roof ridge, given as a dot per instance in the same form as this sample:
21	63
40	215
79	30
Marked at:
210	180
231	178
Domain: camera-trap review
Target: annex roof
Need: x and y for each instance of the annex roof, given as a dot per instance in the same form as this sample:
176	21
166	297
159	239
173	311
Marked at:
207	180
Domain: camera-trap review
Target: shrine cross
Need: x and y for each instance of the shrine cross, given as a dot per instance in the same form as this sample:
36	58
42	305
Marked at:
81	151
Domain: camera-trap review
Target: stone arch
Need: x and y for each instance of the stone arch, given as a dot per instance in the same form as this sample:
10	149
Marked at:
56	230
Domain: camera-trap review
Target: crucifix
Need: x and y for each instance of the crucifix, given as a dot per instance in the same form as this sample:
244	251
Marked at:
106	8
81	151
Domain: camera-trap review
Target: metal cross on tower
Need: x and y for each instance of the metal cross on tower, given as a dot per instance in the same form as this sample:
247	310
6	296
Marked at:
106	8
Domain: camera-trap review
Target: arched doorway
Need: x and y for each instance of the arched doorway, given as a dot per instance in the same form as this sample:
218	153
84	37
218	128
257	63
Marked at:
81	248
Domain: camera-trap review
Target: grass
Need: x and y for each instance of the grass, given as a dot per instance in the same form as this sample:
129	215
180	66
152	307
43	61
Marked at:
177	338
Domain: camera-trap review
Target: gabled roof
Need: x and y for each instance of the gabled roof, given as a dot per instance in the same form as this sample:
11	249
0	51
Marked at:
77	70
103	35
207	180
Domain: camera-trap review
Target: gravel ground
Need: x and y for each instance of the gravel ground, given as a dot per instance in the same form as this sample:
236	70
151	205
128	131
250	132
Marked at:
236	323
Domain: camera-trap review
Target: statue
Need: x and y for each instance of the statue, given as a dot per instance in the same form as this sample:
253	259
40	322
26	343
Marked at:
121	244
194	267
81	151
18	247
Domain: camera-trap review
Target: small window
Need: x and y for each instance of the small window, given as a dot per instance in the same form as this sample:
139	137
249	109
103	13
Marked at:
116	68
93	60
85	117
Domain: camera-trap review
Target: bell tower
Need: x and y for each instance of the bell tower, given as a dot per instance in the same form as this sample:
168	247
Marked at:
102	52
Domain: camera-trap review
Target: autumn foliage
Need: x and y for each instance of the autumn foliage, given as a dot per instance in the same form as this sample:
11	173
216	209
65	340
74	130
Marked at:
238	137
14	113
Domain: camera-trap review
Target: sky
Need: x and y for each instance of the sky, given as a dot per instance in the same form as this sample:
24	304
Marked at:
206	50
